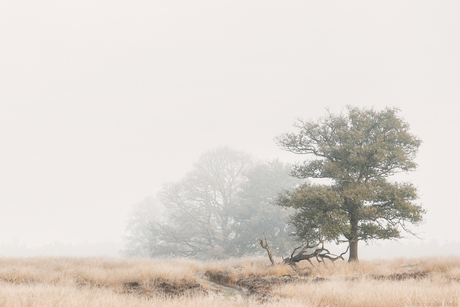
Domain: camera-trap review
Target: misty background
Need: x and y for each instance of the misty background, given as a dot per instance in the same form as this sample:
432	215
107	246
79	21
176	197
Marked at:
102	102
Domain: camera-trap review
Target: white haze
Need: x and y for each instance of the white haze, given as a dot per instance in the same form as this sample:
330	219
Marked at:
101	102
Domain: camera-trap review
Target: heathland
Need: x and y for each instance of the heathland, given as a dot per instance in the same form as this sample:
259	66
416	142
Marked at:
428	281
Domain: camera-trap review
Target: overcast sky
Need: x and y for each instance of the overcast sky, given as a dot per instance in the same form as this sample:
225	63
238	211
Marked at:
101	102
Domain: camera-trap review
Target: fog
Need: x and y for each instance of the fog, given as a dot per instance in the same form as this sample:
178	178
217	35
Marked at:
102	102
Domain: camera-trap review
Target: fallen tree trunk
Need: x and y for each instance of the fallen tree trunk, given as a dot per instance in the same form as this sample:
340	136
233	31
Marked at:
331	258
303	255
320	254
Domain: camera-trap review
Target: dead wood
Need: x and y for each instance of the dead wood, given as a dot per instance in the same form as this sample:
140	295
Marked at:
303	255
267	248
320	254
330	257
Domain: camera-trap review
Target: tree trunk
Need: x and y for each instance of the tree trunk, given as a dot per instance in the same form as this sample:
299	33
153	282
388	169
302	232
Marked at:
353	251
354	239
267	248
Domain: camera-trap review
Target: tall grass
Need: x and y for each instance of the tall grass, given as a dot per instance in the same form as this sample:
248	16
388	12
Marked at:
429	281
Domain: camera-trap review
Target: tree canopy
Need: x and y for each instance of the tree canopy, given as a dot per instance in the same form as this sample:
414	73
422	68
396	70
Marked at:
358	151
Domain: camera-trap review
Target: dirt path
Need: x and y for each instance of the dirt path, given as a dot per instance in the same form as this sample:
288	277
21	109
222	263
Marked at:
230	293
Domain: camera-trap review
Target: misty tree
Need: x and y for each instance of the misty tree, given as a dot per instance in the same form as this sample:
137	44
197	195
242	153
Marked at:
217	210
138	239
257	213
358	152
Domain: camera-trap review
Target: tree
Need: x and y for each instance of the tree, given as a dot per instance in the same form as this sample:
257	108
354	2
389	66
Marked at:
257	212
138	239
358	152
217	210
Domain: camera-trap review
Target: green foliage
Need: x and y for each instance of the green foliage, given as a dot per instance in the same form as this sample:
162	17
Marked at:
358	151
318	212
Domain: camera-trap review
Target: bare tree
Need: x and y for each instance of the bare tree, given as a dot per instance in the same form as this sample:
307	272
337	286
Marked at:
217	210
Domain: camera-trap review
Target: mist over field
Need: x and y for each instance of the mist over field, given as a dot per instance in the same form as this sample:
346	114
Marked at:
103	103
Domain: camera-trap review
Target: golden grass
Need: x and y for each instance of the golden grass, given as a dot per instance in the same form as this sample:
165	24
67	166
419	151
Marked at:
429	281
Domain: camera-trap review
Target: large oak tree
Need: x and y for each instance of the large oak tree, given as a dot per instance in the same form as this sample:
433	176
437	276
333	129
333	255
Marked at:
358	151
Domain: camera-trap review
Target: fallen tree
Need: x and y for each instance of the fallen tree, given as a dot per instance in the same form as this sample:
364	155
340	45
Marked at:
319	253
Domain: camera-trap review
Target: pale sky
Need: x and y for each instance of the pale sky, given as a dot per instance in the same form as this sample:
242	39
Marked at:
102	102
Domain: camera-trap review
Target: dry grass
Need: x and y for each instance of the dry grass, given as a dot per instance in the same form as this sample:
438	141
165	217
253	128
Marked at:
426	281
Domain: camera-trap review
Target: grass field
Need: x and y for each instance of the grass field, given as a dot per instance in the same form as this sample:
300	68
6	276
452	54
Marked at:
427	281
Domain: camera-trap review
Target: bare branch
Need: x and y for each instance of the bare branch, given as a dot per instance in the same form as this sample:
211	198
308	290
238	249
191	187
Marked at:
267	248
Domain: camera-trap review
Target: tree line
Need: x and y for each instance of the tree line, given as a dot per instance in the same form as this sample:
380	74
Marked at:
229	199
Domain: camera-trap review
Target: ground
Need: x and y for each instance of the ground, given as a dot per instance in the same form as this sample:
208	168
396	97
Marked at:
431	281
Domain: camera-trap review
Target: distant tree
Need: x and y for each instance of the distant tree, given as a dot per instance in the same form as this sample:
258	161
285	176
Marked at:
257	212
358	151
139	238
220	209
